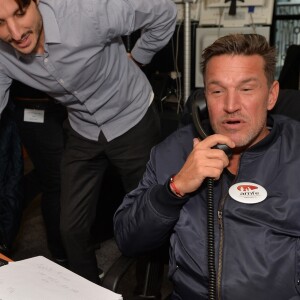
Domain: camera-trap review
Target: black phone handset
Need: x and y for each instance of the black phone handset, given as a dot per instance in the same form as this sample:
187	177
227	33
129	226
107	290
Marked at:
198	107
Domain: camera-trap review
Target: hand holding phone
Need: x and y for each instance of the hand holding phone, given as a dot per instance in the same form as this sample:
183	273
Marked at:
198	107
204	161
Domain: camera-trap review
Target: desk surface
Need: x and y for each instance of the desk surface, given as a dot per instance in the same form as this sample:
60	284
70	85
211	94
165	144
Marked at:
4	257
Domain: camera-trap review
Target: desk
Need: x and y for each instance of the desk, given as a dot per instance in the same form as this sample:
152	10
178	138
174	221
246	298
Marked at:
4	257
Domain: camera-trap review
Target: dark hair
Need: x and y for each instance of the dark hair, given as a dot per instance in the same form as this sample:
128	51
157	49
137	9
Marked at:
23	3
243	44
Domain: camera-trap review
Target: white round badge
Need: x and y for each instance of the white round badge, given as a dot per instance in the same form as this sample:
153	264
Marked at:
248	192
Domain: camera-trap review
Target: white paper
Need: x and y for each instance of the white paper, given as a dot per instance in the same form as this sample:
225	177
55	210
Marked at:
39	278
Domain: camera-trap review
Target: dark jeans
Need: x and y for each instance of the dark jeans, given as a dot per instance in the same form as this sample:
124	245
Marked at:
44	143
83	166
11	175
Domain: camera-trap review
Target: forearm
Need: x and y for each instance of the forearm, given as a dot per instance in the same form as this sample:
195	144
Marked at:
146	218
158	25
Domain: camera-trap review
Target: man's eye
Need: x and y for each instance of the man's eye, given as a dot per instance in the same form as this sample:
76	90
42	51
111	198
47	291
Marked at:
20	13
216	92
247	90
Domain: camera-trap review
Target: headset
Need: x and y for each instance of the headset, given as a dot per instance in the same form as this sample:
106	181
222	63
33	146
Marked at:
200	112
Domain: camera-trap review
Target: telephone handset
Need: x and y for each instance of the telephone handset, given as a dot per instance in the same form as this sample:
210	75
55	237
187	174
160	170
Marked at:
199	108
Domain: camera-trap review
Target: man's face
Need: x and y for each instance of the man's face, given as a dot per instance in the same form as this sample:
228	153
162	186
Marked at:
22	29
238	97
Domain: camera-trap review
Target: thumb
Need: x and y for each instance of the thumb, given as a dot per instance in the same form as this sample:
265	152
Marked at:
195	142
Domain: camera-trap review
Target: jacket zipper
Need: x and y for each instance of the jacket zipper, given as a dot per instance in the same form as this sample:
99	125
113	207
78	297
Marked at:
221	239
220	255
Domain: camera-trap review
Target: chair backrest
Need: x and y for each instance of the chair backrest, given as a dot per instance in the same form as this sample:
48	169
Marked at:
288	104
289	77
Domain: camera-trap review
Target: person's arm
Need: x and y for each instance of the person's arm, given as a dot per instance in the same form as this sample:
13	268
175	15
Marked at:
156	19
147	215
5	83
157	29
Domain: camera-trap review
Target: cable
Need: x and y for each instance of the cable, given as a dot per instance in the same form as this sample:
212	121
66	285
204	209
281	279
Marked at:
251	11
211	241
221	10
175	51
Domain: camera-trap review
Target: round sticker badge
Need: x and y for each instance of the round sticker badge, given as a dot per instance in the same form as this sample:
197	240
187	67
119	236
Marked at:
248	192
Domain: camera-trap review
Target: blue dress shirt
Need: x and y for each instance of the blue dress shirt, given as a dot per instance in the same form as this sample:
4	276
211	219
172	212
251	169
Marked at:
85	64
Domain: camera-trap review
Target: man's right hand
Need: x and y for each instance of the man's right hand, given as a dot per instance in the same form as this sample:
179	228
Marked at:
204	161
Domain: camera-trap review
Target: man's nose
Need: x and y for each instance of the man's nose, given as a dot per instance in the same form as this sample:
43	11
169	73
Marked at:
232	101
14	30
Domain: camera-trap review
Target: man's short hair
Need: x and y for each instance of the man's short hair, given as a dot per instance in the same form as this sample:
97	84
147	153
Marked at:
243	44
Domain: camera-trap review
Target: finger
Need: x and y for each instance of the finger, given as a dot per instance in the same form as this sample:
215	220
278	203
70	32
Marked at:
195	141
205	156
212	140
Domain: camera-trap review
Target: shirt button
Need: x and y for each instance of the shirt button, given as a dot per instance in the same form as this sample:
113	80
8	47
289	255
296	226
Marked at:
61	81
45	60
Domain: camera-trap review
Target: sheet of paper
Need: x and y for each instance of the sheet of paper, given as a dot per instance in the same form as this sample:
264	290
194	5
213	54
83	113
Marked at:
39	278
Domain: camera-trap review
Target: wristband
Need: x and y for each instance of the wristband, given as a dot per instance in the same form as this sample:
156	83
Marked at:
173	187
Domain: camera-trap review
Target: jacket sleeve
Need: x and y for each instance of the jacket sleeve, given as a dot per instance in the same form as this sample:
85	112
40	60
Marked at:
147	215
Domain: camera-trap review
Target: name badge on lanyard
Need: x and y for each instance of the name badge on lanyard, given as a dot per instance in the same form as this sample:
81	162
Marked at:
34	115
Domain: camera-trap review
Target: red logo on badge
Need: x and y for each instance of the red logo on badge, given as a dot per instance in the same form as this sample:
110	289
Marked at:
245	188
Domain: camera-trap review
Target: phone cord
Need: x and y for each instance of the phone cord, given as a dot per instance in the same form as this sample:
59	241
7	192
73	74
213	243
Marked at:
211	240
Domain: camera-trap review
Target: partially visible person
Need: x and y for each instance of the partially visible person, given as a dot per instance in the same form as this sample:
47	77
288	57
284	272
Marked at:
73	51
256	190
40	123
11	180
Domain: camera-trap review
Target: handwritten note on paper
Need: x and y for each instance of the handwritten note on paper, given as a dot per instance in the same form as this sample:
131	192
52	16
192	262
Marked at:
39	278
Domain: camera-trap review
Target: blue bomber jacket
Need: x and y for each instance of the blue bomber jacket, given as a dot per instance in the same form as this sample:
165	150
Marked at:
257	244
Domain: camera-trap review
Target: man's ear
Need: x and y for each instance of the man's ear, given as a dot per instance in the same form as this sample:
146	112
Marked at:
273	95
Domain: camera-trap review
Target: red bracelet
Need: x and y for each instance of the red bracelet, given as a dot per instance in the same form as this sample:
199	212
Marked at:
174	188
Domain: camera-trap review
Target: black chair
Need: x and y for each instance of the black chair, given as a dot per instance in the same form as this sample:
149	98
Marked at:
289	77
288	103
150	270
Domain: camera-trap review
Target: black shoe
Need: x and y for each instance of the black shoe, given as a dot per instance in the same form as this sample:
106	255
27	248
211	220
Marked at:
100	274
62	262
4	249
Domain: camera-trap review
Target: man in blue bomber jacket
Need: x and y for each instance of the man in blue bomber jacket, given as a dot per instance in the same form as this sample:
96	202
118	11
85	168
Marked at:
256	190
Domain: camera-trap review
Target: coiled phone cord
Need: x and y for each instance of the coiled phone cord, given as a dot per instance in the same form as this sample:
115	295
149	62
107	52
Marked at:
211	241
199	106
